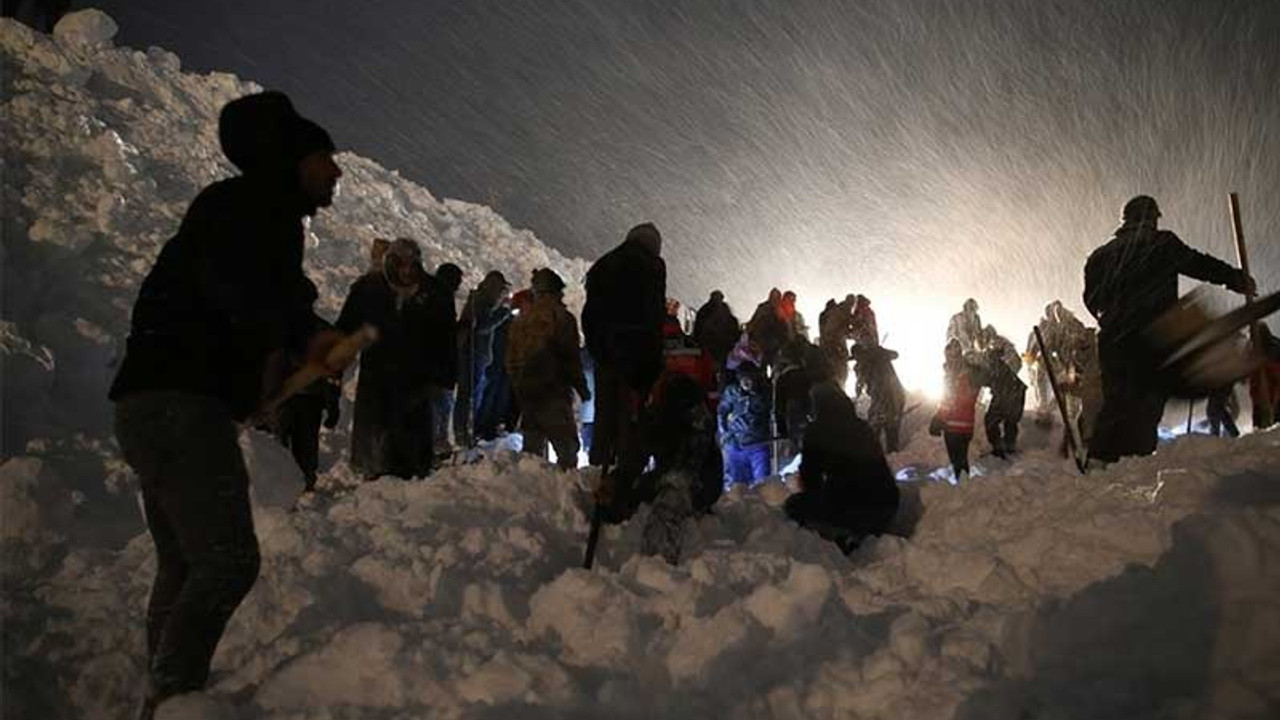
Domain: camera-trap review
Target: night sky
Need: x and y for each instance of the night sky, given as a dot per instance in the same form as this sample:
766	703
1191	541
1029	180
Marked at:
919	151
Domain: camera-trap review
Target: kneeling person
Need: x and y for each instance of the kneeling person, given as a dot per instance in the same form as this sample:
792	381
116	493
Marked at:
846	489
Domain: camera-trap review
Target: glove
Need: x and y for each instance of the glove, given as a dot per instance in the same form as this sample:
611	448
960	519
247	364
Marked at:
1243	284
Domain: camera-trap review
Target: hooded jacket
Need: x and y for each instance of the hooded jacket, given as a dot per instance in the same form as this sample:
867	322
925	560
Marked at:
626	305
228	289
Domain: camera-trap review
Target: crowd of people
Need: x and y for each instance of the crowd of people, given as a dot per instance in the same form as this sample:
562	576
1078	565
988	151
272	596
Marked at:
671	417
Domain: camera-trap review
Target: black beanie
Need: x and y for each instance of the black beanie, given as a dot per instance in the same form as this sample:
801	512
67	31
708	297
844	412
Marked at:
263	132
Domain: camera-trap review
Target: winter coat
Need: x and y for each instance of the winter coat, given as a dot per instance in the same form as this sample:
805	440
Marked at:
874	366
844	465
834	324
863	327
390	431
542	352
800	366
225	292
967	329
415	333
1133	278
682	356
746	351
1063	335
496	405
963	381
481	316
768	330
1006	351
744	416
625	308
716	329
1008	393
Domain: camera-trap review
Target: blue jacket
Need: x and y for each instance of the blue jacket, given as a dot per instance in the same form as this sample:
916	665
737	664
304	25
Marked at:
743	416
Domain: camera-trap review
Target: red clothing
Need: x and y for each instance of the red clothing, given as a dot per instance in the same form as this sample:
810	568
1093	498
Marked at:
787	310
681	355
958	406
863	328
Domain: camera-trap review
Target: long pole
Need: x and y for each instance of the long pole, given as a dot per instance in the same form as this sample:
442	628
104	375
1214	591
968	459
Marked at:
1068	427
1260	378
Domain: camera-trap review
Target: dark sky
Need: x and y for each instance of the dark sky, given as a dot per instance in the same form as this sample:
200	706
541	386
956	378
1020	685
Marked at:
918	150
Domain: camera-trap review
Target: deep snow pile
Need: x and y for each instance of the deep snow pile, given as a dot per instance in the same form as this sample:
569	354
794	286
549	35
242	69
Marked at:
1147	591
1144	592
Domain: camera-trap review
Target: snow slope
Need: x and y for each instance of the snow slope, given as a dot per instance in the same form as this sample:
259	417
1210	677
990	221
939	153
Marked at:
103	149
1147	591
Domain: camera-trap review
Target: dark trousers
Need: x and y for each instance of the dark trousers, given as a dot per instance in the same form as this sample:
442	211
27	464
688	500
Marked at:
300	432
958	450
391	431
549	419
195	491
1132	404
616	438
1002	432
442	400
889	429
1220	416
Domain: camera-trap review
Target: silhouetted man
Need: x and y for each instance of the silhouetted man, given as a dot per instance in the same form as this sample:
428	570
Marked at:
226	292
716	328
622	324
1128	283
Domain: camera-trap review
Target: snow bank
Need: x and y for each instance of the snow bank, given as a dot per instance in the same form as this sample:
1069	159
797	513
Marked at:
1147	591
103	148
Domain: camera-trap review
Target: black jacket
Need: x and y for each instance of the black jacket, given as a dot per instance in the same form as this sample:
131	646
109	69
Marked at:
226	291
843	462
1008	392
1132	279
717	329
415	340
625	308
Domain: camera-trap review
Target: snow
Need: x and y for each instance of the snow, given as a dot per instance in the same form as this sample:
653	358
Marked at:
86	29
1146	591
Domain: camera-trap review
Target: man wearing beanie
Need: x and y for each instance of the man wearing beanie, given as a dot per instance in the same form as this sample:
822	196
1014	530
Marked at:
622	321
226	293
545	364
